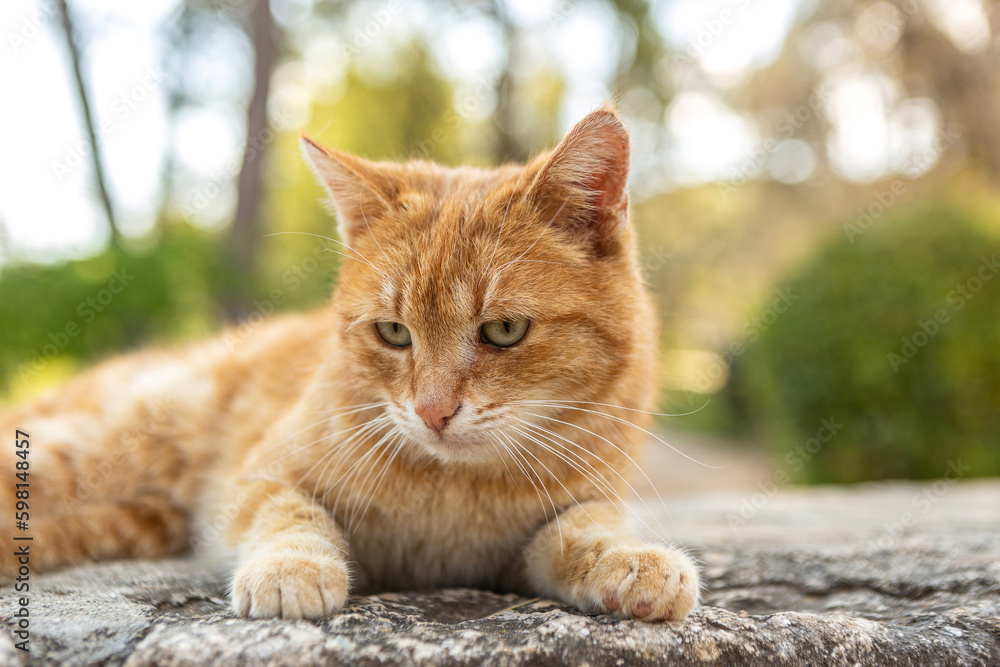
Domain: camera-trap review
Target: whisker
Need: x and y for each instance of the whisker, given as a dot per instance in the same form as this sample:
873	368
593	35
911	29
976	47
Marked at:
357	407
521	467
543	261
341	483
504	462
630	459
360	485
550	434
360	431
590	476
397	445
320	236
365	218
609	405
323	438
344	448
568	492
537	239
287	439
627	423
572	458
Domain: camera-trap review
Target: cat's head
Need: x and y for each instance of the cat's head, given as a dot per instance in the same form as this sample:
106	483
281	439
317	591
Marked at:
475	302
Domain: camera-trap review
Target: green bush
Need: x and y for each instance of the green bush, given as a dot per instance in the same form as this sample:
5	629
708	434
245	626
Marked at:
896	339
57	318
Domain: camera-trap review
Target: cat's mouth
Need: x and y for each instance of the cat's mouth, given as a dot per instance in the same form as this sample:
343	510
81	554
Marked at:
463	436
451	445
454	446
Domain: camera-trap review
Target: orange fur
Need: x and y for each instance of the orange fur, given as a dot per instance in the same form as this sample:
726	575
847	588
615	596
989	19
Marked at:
306	455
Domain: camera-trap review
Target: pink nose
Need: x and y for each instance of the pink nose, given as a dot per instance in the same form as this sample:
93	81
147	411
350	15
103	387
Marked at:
437	414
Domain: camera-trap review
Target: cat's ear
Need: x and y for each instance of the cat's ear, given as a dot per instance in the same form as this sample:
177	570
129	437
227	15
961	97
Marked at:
583	182
360	190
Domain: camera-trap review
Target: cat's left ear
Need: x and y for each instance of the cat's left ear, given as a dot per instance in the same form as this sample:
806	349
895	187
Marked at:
361	191
583	182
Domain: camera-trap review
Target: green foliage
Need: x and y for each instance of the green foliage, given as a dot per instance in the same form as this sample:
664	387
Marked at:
57	318
895	337
408	113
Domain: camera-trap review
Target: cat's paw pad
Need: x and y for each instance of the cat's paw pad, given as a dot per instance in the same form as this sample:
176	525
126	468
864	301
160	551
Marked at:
648	582
290	584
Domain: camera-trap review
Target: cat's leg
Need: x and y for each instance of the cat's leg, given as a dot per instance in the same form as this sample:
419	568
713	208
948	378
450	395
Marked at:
291	556
589	561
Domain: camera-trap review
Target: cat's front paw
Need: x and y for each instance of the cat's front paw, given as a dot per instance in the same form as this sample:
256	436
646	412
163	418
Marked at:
646	582
285	583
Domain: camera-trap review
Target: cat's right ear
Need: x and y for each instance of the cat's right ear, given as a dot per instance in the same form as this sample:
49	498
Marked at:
583	182
359	189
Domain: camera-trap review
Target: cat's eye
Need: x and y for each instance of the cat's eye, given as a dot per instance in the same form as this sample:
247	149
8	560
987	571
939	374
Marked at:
502	333
394	333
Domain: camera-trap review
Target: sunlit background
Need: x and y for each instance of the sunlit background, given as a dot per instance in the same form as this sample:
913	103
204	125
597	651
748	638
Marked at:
815	184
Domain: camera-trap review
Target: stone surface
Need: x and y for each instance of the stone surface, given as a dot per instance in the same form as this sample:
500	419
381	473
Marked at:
824	576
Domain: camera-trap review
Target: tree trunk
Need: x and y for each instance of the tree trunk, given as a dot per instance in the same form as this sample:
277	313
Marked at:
246	231
509	147
88	120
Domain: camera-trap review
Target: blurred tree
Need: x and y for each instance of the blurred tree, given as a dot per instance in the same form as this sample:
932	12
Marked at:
965	85
177	36
246	229
903	42
511	146
87	118
642	55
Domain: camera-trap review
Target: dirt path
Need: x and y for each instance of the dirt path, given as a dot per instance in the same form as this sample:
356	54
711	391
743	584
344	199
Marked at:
701	464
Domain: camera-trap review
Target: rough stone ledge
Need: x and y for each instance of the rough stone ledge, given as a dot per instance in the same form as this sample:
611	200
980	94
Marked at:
931	598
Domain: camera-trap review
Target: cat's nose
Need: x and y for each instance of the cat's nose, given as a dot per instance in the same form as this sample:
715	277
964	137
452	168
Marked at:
436	414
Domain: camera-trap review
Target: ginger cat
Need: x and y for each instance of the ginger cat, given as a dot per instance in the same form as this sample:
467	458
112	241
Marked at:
459	415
